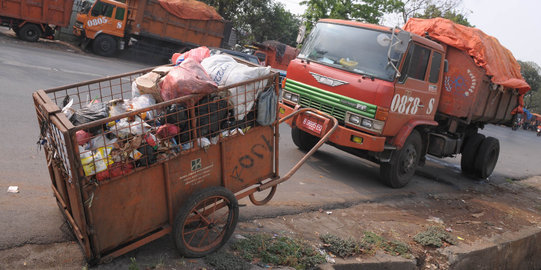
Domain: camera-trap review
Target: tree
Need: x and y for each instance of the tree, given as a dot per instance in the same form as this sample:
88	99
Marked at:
410	8
532	75
432	11
226	8
370	11
259	20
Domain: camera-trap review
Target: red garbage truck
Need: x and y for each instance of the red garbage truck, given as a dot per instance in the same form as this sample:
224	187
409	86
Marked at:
34	19
402	94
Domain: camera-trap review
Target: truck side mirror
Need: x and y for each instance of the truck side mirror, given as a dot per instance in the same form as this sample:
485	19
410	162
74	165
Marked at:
445	66
404	39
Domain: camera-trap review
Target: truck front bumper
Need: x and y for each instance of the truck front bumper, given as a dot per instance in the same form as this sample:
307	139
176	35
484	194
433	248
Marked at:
342	136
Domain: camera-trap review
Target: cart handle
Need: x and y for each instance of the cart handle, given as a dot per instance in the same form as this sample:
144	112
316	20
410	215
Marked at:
323	139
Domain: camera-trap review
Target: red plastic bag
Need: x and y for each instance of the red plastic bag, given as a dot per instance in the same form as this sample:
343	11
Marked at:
114	170
197	54
167	130
82	137
186	79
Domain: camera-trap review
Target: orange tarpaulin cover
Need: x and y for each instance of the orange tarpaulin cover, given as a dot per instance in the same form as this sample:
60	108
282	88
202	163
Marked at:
486	50
191	10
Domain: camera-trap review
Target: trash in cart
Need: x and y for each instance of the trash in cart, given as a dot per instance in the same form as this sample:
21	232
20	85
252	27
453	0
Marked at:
134	157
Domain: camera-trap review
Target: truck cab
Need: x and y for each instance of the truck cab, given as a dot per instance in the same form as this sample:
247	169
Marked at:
380	83
104	22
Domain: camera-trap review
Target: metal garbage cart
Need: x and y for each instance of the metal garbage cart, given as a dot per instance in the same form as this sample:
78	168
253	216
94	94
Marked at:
154	171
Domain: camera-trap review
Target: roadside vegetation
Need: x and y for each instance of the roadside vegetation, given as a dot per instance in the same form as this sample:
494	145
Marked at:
435	237
369	244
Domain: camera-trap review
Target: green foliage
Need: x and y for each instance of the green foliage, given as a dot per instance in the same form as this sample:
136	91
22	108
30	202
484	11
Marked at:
432	11
133	264
222	260
370	11
532	74
339	246
259	20
279	250
396	248
434	236
369	243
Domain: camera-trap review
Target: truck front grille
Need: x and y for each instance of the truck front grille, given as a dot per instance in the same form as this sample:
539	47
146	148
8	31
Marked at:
337	113
325	101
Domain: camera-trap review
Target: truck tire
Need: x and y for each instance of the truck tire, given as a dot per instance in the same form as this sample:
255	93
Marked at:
205	222
469	153
104	45
303	140
29	32
400	169
487	157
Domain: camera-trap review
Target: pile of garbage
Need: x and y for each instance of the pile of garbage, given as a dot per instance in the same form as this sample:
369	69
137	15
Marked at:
172	109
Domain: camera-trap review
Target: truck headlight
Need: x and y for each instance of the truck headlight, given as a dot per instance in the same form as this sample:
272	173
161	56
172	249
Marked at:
290	97
354	119
366	123
287	95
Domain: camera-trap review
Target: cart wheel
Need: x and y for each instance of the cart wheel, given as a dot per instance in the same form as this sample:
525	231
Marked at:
205	222
469	152
264	201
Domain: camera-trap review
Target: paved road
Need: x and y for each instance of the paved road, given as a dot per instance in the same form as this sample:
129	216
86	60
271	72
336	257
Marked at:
32	216
330	179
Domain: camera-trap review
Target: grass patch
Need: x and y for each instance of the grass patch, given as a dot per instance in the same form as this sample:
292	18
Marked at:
434	236
278	250
339	246
133	264
396	248
368	244
222	260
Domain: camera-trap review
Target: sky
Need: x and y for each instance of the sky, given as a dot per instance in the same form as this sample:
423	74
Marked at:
515	23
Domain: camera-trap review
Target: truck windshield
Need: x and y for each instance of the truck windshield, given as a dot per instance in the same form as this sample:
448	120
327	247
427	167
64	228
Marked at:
359	50
86	5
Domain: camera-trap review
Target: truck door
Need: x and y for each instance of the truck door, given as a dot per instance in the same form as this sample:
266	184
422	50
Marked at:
101	20
416	91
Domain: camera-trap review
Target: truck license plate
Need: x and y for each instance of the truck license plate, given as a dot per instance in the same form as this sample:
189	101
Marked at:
312	125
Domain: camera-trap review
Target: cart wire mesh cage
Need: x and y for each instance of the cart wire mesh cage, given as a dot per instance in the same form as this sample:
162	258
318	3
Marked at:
118	131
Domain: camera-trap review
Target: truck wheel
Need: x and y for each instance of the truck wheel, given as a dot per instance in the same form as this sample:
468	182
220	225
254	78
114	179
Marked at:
399	171
29	32
303	140
487	157
205	222
104	45
469	152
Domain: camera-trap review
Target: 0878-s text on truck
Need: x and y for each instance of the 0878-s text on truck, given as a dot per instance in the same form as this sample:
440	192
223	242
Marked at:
399	96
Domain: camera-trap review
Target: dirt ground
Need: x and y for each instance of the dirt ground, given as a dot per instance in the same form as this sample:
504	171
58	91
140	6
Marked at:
470	216
485	211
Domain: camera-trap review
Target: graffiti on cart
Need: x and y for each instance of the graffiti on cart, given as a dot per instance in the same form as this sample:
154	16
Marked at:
460	85
256	153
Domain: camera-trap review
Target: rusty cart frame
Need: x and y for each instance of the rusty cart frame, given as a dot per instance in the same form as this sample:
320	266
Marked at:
189	191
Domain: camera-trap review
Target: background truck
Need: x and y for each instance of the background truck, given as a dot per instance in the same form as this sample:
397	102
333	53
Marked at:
275	54
399	96
34	19
161	26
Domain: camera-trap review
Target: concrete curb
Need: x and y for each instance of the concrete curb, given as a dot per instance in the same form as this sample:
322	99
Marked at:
512	250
